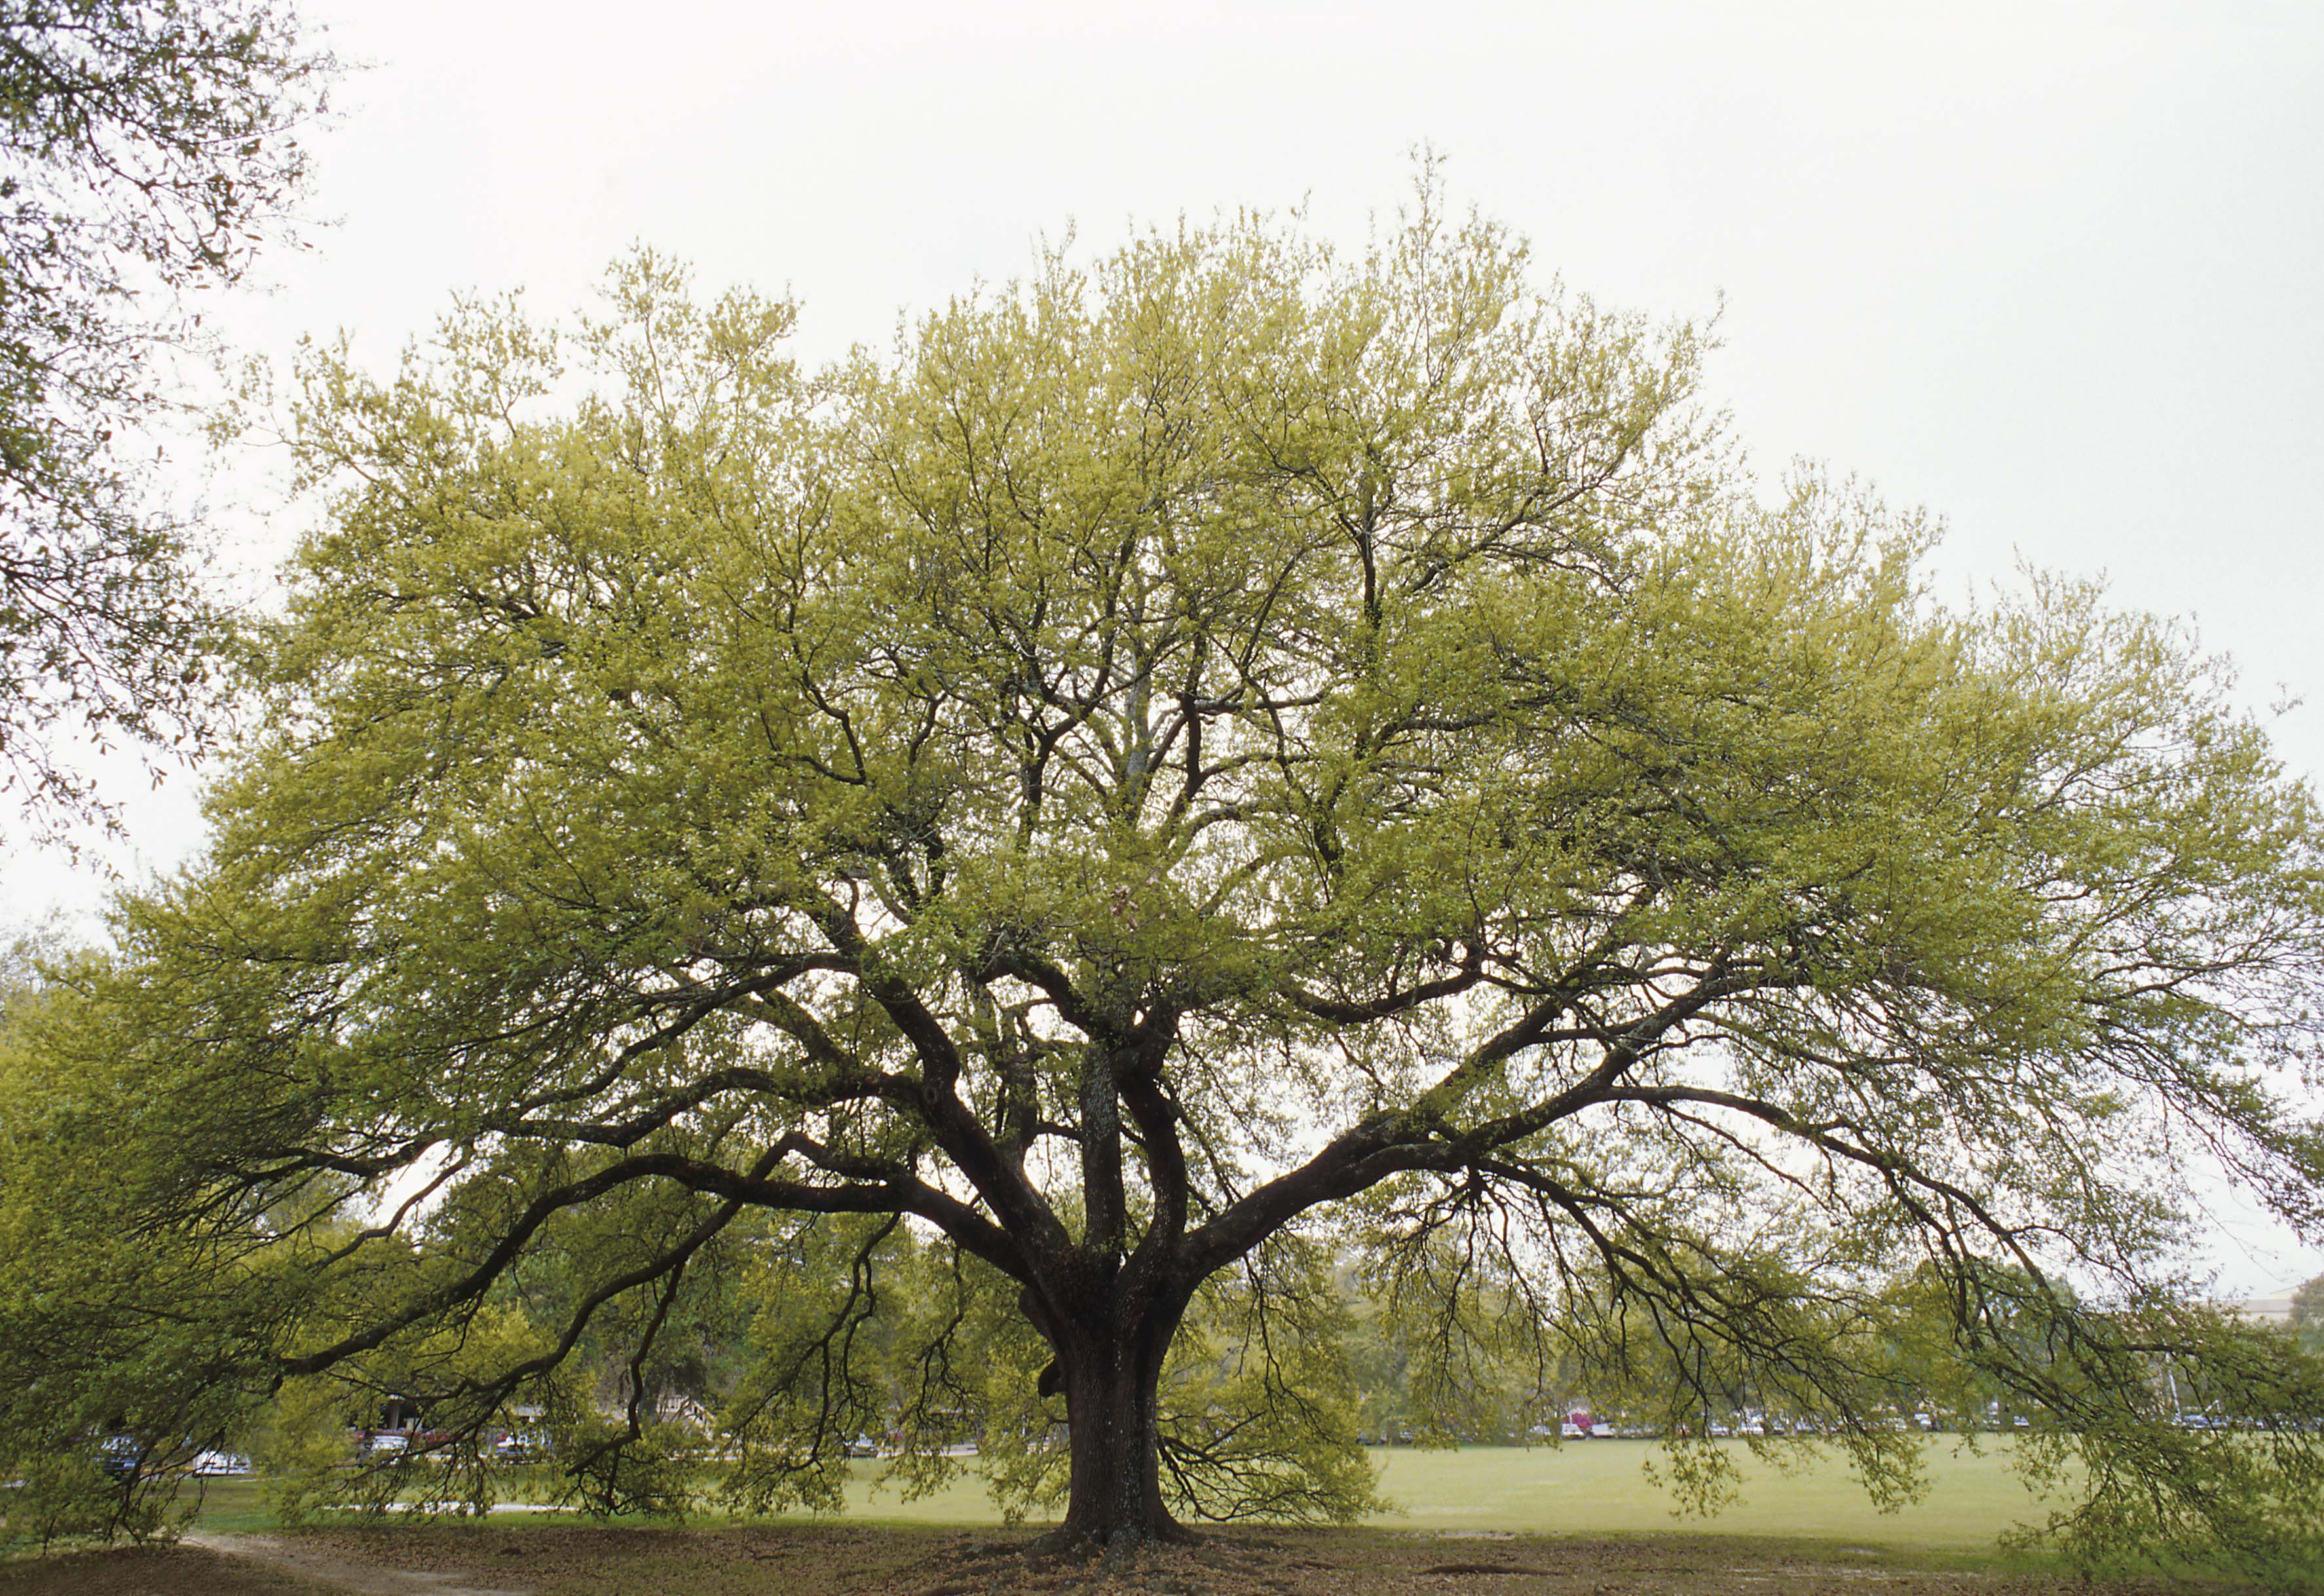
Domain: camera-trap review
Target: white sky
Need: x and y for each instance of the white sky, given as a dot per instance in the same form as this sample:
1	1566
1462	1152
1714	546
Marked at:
2053	269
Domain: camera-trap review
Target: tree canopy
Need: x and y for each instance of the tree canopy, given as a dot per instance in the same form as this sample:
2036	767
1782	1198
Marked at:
1195	770
147	148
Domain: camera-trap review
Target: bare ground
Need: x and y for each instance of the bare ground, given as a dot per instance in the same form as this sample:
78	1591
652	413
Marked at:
840	1560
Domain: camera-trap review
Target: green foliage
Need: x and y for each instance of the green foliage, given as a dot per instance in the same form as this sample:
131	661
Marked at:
300	1445
1259	1401
1002	859
147	147
67	1496
123	1342
2249	1493
833	1326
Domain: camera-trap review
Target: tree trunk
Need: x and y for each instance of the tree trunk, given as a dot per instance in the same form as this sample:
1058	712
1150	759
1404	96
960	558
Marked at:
1110	1374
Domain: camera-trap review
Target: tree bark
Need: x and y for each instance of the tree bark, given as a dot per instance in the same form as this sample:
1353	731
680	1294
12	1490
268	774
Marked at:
1109	1372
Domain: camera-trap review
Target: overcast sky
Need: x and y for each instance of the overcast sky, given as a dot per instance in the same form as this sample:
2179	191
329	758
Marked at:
2052	269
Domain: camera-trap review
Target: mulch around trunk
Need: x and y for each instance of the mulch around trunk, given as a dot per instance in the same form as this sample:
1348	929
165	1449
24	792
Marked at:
848	1560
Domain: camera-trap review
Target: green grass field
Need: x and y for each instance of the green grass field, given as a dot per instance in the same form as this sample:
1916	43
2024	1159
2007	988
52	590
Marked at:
1597	1488
1583	1487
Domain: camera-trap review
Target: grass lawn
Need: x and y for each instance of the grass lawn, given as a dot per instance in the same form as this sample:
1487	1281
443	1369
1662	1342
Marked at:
1596	1487
1582	1487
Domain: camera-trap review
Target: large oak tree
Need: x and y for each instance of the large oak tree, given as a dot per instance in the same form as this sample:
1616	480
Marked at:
1191	772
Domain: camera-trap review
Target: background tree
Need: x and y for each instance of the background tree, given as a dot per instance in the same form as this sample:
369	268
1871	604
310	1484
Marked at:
1227	752
2308	1313
147	148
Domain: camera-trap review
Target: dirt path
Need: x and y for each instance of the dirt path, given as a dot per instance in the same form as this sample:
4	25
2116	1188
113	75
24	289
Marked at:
311	1561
